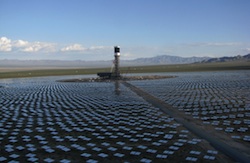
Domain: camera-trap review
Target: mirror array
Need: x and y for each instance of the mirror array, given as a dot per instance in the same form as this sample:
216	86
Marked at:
219	99
46	121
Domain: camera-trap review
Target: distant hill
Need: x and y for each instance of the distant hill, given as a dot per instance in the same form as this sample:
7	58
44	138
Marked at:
158	60
167	59
228	59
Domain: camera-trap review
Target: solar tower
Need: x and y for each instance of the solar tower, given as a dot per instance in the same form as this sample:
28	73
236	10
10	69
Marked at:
116	62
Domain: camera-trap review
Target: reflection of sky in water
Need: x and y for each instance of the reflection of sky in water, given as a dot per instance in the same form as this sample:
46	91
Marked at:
41	79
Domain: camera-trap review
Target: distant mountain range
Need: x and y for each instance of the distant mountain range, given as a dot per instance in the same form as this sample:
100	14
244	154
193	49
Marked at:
228	59
167	59
158	60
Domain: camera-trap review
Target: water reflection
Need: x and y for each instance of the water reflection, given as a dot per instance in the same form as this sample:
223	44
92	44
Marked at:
117	88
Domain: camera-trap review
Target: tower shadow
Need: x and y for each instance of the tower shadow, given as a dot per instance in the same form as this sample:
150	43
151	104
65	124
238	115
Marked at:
117	87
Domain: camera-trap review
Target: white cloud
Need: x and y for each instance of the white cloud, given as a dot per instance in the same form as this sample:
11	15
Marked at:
247	49
45	49
100	47
223	44
25	46
5	44
29	49
128	55
74	47
20	43
33	47
218	44
80	48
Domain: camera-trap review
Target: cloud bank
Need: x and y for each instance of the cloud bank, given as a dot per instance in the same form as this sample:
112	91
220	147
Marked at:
22	49
74	47
214	44
5	44
47	50
81	48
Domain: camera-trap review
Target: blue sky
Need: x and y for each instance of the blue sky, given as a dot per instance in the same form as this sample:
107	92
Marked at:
88	29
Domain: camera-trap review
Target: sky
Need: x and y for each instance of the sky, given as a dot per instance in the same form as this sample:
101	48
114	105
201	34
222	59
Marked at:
88	29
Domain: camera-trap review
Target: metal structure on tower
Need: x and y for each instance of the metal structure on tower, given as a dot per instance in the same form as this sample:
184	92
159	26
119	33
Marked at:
116	73
116	62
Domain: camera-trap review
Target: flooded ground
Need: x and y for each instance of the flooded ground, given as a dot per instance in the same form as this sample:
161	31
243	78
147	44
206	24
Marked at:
42	120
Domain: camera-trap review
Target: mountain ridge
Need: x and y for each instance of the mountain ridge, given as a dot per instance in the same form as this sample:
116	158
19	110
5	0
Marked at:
167	59
157	60
228	59
162	59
